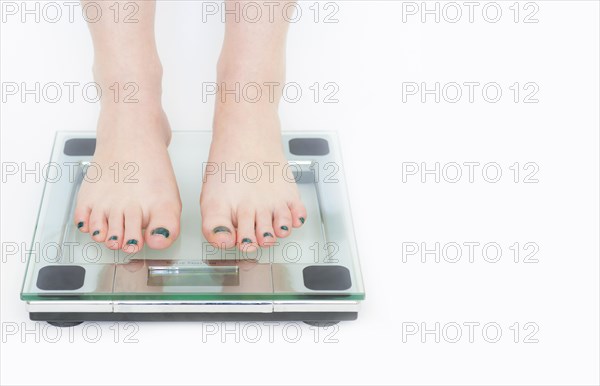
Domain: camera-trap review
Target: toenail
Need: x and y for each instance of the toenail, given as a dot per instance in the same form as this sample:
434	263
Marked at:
302	220
221	229
161	231
132	242
96	233
267	234
113	238
285	228
80	224
246	241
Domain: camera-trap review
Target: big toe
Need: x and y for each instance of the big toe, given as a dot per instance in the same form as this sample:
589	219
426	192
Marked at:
282	221
163	227
81	217
298	212
217	226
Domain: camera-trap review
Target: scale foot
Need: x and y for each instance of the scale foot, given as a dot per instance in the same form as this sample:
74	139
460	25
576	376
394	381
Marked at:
63	323
321	323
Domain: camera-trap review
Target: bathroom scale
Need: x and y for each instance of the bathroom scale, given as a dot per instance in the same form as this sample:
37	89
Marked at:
313	275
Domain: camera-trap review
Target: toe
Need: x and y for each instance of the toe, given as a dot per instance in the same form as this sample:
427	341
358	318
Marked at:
217	226
298	212
282	222
132	240
98	225
114	235
163	227
246	234
264	228
82	217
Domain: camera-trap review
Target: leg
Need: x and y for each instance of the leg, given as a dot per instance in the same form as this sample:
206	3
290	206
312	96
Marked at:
137	188
250	213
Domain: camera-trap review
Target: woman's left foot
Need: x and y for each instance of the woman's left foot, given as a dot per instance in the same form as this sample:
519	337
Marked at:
249	195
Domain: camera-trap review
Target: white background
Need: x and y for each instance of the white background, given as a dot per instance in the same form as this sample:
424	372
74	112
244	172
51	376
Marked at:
369	53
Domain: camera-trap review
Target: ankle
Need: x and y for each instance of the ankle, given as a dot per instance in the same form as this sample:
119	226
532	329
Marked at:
246	134
129	84
249	83
132	123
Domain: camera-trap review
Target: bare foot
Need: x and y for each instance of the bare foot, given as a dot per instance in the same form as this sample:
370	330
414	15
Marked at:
248	211
258	202
135	200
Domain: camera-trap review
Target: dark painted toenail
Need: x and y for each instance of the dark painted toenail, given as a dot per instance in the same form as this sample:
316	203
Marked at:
132	242
161	231
221	229
96	233
285	228
302	220
246	241
267	234
80	224
113	237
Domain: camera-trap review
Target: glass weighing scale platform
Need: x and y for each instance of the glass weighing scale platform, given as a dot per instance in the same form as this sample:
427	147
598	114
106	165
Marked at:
312	276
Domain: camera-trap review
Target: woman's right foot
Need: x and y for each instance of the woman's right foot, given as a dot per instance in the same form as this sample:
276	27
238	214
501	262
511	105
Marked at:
136	189
129	196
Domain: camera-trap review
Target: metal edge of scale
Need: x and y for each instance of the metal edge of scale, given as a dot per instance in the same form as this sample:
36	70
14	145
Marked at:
151	306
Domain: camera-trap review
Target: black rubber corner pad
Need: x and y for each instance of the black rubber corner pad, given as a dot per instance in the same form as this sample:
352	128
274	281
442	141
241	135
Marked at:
60	277
80	147
309	146
326	277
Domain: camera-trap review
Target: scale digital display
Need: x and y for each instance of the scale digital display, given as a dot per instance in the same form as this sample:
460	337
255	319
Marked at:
200	276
